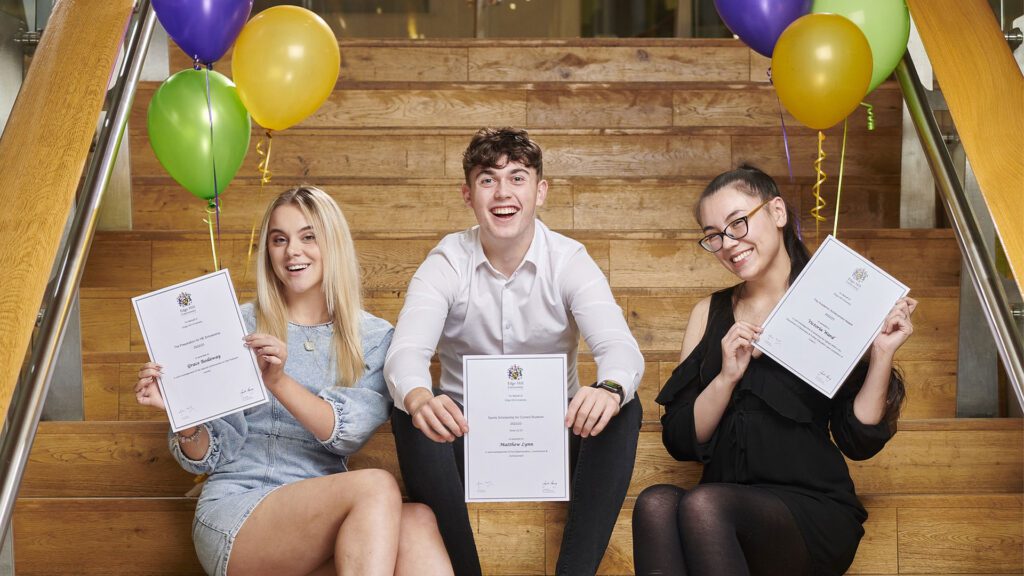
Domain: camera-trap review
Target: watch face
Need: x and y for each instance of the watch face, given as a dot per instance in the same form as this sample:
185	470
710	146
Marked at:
613	386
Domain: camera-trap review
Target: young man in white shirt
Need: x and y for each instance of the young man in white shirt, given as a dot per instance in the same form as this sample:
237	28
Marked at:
510	285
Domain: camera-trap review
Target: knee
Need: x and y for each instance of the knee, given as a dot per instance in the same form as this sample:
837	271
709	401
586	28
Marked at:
418	517
374	483
703	506
657	500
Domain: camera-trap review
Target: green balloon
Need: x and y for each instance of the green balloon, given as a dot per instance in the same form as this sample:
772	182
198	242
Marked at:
886	25
179	130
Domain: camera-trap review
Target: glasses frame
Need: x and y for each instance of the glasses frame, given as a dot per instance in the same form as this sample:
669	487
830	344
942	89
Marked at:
706	240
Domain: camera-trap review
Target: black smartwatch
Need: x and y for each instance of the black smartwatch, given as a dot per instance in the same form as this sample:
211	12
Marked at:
611	386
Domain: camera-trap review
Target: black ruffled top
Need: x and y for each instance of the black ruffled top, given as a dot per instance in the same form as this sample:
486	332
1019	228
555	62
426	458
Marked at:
775	434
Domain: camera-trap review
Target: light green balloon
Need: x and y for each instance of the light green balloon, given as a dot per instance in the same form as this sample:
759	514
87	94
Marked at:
179	130
886	25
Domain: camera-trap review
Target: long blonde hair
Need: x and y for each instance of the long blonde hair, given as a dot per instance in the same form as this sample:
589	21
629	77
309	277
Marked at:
341	282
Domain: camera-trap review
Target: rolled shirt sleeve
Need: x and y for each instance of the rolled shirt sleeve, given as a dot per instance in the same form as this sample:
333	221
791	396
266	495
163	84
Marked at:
602	323
420	323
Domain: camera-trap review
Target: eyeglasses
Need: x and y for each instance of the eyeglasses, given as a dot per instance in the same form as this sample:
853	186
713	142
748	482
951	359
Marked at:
736	229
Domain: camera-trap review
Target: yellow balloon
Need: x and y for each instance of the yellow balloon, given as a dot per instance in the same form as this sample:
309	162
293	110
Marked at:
821	68
285	64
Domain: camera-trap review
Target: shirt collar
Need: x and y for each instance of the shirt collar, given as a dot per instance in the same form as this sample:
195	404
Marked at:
538	247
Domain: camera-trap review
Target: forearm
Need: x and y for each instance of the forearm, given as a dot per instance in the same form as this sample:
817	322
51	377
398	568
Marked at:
869	404
314	413
194	442
710	406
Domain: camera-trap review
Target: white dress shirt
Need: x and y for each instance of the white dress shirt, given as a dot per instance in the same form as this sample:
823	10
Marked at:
461	305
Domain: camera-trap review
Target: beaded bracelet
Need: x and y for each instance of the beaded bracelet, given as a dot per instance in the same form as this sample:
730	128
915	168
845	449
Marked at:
193	437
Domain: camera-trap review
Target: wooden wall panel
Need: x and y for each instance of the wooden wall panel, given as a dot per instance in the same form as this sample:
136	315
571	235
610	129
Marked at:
129	536
877	553
951	540
608	64
665	264
105	324
867	154
100	390
634	205
403	64
421	108
944	461
619	156
297	154
513	539
623	108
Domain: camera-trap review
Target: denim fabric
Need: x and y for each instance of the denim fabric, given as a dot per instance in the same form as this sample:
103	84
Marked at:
256	451
602	468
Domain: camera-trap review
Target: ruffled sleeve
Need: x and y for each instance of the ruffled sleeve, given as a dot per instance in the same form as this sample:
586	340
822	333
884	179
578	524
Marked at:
227	435
858	441
361	409
678	397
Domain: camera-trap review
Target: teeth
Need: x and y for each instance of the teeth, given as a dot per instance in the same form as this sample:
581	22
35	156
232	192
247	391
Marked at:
504	210
297	267
741	256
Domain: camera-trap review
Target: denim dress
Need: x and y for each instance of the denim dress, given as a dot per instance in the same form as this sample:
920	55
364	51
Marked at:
254	452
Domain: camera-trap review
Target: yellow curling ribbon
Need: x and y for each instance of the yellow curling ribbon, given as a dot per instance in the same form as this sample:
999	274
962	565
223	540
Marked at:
819	202
211	212
871	115
265	175
839	187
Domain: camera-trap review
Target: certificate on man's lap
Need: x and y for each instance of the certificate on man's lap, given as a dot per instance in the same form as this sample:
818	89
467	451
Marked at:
194	330
517	448
829	316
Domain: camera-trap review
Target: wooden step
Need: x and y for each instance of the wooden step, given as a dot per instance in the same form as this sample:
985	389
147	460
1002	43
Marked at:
128	459
435	205
933	534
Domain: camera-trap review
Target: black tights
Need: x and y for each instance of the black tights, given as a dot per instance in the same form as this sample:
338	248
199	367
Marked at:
715	529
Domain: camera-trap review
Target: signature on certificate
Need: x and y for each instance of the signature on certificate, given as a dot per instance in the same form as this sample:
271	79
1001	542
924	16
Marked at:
483	485
549	486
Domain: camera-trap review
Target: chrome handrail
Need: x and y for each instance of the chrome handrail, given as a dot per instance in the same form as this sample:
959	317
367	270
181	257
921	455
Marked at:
979	262
27	403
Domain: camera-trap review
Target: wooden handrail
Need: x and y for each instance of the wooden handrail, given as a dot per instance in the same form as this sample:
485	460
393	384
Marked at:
42	155
985	91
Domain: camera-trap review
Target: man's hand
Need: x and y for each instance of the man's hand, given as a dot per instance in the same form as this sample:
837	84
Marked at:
590	411
438	417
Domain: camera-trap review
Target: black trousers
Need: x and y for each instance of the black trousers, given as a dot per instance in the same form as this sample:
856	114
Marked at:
602	466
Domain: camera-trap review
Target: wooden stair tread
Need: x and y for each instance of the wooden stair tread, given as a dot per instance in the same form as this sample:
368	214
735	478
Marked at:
132	459
974	533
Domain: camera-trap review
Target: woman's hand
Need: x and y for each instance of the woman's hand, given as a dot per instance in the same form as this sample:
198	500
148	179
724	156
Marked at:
737	347
271	354
896	328
147	391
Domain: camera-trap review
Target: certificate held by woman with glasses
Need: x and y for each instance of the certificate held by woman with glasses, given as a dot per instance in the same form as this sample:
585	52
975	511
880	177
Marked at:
828	318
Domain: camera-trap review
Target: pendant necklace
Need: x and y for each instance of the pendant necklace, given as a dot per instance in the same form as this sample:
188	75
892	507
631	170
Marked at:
309	345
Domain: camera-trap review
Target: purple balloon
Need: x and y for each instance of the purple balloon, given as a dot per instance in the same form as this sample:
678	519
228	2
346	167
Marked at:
759	23
204	29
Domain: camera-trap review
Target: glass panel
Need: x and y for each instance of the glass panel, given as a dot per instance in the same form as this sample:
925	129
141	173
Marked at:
515	18
417	19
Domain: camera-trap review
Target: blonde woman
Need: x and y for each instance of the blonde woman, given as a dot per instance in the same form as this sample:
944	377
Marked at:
279	499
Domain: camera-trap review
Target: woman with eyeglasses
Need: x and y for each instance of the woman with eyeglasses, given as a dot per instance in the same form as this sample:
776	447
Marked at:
776	495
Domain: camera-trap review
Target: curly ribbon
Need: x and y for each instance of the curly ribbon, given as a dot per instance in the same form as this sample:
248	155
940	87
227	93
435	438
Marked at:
211	209
871	115
785	136
265	175
819	202
213	159
839	186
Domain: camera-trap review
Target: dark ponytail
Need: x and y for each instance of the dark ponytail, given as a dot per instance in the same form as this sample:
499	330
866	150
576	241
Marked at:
754	182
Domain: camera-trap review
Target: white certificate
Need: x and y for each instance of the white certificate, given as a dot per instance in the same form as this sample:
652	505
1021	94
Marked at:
195	330
517	448
829	316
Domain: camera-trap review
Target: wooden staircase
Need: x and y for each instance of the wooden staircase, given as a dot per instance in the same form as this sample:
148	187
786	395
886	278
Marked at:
632	130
